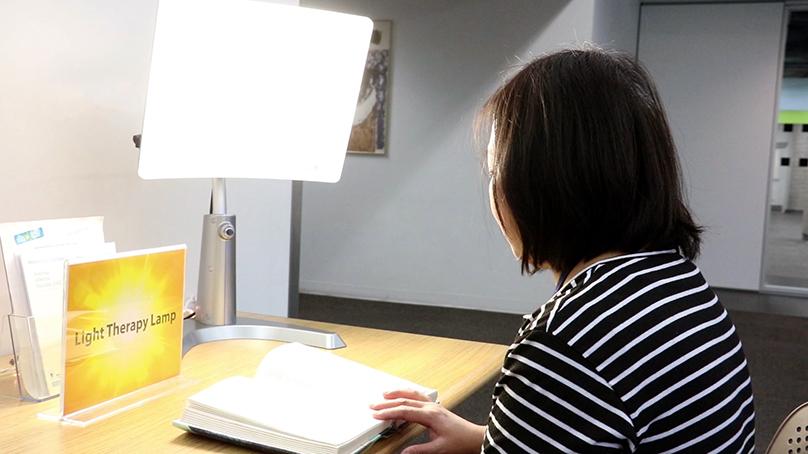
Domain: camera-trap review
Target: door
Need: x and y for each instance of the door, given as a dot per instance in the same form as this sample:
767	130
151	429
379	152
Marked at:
716	67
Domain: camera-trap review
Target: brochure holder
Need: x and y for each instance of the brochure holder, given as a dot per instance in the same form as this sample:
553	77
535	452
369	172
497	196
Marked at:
8	371
8	376
33	382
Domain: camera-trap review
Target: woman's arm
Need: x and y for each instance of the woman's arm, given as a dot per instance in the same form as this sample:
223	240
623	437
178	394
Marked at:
448	433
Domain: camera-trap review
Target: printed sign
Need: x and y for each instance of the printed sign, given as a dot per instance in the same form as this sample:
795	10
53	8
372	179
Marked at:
123	325
28	236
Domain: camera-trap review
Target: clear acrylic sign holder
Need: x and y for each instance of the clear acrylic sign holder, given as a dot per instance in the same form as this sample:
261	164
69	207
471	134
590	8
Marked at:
23	377
121	404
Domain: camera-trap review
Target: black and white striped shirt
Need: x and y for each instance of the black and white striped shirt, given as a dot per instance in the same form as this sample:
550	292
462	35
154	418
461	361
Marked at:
634	354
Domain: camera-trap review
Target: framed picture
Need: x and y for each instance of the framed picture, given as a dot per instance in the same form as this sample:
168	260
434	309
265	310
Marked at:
369	132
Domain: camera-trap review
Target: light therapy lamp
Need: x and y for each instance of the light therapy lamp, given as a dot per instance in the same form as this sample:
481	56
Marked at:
248	89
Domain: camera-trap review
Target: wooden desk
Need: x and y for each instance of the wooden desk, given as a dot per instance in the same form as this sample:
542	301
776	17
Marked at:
454	367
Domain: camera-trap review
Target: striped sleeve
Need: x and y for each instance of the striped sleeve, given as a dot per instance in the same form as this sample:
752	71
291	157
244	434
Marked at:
550	399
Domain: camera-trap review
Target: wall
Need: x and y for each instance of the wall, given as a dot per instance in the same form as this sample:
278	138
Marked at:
72	92
414	226
616	24
716	68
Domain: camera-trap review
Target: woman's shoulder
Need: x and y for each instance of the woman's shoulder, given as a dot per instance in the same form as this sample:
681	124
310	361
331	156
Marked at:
609	292
625	290
634	304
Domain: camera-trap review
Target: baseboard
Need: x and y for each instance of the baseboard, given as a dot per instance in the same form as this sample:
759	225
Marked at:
765	303
408	296
733	299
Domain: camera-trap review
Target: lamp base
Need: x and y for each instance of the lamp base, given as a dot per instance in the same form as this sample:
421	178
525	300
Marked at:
195	333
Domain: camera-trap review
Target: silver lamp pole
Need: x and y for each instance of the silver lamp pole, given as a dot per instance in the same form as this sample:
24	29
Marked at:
215	309
216	289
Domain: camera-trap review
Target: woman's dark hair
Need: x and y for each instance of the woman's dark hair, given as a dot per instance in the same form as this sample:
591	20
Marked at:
585	162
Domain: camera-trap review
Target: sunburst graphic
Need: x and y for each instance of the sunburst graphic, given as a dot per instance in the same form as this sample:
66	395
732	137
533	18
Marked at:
124	326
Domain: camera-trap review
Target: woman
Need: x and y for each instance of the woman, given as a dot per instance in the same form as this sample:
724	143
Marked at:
634	352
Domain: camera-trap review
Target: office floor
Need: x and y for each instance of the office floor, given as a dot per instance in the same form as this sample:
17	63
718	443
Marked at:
786	250
776	345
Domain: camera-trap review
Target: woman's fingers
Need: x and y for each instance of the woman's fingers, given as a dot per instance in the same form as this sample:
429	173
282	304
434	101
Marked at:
405	405
432	446
419	415
397	402
407	394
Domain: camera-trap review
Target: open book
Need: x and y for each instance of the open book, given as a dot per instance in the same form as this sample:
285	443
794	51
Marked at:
302	400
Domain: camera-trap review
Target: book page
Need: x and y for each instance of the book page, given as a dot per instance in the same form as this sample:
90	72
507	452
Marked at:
288	408
326	384
307	393
330	373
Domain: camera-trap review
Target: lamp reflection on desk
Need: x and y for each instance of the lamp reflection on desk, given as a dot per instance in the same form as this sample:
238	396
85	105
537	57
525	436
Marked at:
248	89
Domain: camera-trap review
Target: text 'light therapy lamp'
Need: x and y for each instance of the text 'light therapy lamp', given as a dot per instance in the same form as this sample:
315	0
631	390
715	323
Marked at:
248	89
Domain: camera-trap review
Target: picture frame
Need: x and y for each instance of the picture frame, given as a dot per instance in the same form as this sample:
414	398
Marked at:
370	126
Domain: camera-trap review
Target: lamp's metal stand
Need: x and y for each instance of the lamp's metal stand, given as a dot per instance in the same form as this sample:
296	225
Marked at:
214	316
215	310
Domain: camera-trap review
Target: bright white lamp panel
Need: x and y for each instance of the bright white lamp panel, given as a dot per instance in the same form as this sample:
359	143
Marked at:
251	89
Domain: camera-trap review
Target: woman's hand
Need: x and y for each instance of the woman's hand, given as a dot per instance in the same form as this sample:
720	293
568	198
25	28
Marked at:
448	433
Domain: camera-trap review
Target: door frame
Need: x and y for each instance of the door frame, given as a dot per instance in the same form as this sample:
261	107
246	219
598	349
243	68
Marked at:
765	287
